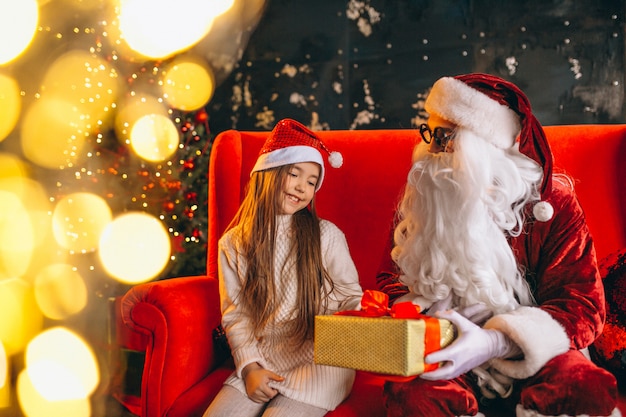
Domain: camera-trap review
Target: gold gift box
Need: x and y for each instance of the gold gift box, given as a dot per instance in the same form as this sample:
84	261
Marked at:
382	345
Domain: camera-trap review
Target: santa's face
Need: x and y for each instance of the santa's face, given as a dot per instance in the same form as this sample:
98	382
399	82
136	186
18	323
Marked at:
447	129
451	241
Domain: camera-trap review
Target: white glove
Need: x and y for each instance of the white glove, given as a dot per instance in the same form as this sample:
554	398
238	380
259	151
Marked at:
416	299
493	383
441	305
472	347
426	307
476	313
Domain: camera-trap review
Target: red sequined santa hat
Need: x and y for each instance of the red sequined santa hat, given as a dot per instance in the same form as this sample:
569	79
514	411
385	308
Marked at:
497	111
291	142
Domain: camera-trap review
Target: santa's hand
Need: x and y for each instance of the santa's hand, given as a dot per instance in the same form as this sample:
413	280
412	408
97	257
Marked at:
440	305
416	299
472	347
476	313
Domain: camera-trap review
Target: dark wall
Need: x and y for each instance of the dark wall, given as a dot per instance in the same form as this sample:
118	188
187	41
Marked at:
339	64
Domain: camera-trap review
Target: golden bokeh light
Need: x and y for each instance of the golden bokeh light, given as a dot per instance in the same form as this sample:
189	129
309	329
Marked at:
83	5
33	404
11	166
132	109
20	318
5	396
18	24
61	365
78	221
167	30
188	84
30	218
3	367
53	133
154	137
10	103
5	385
135	247
60	291
17	236
87	81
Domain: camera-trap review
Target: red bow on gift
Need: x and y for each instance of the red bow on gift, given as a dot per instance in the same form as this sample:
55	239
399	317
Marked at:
376	304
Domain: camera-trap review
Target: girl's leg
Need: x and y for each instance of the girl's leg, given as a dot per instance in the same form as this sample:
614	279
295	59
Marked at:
421	398
281	406
230	402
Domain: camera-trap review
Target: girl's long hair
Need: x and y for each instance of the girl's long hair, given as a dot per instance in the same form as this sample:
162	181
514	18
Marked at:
257	221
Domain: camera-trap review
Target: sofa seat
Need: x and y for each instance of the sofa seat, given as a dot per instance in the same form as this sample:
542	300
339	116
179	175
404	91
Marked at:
174	319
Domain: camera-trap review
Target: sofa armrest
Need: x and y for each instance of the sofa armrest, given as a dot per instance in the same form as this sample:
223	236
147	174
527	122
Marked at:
178	317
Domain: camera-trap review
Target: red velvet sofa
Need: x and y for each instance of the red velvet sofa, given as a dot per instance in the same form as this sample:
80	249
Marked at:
173	320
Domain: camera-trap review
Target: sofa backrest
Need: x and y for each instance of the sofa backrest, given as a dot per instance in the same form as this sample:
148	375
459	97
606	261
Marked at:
362	195
595	157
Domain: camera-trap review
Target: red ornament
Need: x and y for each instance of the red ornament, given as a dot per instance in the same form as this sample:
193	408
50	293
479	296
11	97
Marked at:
202	116
189	164
169	206
609	350
173	185
192	196
177	244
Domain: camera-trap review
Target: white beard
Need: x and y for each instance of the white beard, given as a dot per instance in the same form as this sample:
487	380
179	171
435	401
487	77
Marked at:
452	237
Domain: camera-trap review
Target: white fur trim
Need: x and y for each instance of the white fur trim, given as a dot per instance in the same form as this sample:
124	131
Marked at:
543	211
520	411
335	159
290	155
537	334
479	414
469	108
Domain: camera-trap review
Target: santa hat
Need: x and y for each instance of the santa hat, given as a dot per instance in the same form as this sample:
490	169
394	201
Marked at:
498	111
291	142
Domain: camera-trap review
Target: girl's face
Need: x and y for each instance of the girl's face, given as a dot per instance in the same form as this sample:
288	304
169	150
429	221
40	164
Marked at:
299	187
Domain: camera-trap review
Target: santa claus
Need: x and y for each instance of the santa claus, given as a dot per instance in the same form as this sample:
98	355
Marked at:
488	237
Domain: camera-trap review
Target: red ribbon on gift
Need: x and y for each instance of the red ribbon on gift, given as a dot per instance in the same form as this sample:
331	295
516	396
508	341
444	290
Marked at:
376	304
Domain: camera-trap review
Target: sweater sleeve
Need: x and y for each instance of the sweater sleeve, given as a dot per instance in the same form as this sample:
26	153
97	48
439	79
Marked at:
338	262
235	323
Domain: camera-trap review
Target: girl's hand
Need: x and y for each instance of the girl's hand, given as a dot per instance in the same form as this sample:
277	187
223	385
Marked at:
257	379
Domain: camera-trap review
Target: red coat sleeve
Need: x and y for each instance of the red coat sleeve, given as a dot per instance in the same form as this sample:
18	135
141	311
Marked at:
561	267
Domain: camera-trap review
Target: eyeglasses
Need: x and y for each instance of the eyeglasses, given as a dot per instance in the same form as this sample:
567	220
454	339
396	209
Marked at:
441	135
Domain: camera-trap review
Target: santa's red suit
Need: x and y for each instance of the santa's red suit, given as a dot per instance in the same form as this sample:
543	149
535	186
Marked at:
552	376
560	265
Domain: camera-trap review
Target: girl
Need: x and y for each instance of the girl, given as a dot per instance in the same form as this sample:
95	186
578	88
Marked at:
279	266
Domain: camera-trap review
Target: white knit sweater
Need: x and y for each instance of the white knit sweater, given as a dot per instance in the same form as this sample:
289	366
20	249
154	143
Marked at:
318	385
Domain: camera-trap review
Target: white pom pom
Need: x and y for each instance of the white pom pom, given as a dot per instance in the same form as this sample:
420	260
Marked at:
543	211
335	159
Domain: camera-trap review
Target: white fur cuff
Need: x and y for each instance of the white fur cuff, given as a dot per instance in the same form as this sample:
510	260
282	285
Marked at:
522	412
537	334
469	108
